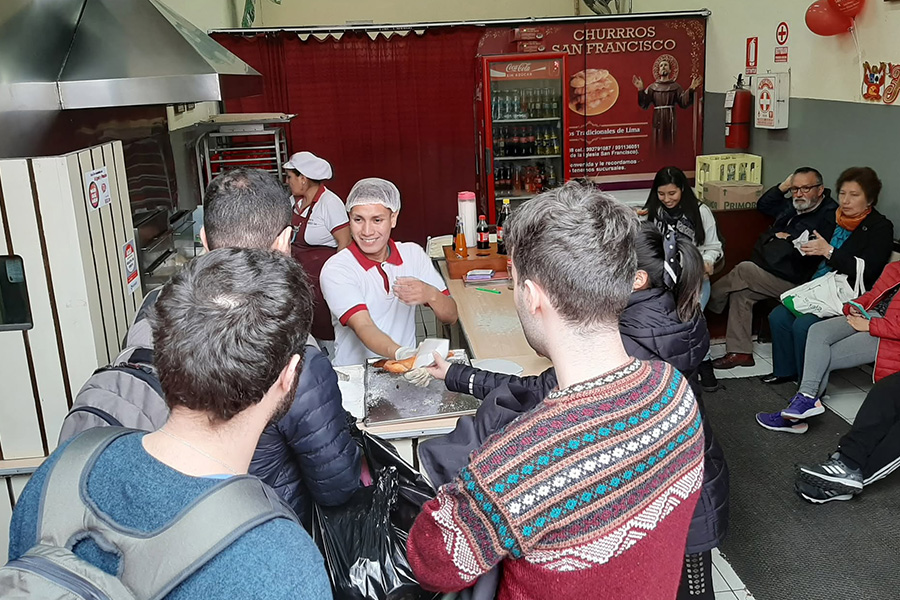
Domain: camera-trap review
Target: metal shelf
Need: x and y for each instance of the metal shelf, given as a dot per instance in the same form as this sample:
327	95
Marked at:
536	120
529	157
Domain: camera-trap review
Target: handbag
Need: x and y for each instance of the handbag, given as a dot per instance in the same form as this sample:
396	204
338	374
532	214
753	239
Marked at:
825	296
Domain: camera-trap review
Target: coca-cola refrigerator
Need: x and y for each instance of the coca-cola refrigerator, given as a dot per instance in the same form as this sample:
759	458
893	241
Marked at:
522	125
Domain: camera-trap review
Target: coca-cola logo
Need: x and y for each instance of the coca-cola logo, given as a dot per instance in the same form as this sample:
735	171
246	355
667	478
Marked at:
519	67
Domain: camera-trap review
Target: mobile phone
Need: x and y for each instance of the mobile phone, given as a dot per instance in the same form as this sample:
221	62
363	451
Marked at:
859	307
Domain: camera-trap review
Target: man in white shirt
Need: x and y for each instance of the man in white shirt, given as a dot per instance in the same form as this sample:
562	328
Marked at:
373	286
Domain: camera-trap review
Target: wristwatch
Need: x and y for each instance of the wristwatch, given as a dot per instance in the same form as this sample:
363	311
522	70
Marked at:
830	252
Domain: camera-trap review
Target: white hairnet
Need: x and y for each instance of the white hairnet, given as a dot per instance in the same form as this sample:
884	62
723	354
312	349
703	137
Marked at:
373	190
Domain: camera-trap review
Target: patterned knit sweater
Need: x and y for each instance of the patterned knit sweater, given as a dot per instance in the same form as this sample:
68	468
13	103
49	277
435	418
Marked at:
589	495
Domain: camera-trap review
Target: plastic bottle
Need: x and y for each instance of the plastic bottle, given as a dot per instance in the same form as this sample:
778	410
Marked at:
468	211
484	237
501	222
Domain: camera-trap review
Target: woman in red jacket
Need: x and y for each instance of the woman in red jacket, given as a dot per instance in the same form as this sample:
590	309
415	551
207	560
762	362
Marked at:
858	338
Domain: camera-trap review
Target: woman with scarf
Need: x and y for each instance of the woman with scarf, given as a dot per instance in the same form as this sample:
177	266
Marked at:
672	206
862	233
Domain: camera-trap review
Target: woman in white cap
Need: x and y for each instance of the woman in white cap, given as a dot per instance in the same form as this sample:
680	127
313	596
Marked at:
321	227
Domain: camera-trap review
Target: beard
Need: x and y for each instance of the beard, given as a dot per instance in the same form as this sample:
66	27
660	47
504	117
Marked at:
801	204
534	333
284	405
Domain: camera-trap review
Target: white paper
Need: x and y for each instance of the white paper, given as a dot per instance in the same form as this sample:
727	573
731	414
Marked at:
351	380
802	239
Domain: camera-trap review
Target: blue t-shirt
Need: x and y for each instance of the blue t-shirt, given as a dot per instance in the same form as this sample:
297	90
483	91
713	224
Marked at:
274	561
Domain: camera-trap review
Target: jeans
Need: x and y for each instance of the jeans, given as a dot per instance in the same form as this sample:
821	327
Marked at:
789	340
704	293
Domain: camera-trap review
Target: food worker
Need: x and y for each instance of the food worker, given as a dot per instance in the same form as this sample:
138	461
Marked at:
320	225
373	286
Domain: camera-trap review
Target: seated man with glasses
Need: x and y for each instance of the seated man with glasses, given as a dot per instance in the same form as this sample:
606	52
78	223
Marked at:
800	204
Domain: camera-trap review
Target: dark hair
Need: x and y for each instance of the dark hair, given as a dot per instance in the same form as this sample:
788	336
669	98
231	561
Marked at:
867	180
310	179
801	170
226	325
650	250
689	203
577	243
245	208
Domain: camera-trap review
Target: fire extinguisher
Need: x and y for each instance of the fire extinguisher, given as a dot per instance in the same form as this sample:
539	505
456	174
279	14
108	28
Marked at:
738	111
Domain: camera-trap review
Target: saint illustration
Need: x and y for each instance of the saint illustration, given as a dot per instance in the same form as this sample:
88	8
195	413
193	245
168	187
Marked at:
664	94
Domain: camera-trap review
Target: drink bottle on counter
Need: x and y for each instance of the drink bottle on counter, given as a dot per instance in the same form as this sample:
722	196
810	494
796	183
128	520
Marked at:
484	238
459	239
501	222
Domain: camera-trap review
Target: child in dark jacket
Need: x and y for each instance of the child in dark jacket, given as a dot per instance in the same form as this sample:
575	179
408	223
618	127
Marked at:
661	322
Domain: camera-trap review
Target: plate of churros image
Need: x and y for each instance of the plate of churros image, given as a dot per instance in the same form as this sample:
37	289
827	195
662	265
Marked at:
592	91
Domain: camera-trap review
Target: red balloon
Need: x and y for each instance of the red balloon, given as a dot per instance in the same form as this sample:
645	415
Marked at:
824	20
848	8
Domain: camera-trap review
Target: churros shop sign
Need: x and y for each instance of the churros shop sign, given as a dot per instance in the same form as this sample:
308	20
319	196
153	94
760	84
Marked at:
616	40
633	91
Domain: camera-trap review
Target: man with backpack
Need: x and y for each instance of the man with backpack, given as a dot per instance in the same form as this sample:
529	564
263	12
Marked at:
306	456
171	514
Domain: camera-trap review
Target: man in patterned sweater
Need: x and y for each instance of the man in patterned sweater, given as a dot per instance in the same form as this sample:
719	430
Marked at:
590	494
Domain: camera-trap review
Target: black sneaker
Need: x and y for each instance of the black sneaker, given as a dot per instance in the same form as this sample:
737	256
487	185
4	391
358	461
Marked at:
708	380
833	474
817	495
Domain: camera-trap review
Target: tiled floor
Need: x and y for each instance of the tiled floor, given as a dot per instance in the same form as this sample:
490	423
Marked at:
726	584
846	391
845	394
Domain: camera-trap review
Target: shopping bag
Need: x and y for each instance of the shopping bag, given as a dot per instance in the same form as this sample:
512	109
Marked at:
825	296
413	490
365	554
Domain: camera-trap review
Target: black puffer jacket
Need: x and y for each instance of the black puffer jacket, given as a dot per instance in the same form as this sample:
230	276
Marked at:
650	330
309	454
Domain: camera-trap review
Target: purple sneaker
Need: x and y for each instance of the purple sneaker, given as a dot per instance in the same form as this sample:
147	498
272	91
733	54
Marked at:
776	422
803	407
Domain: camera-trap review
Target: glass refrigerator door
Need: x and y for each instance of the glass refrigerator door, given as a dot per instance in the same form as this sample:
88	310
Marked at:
527	125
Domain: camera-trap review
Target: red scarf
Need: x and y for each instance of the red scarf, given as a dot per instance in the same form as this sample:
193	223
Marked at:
849	223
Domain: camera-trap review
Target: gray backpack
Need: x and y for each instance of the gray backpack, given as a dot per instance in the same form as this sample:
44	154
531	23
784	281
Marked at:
127	392
150	566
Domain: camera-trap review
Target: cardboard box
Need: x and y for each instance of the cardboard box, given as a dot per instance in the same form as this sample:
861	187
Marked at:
729	195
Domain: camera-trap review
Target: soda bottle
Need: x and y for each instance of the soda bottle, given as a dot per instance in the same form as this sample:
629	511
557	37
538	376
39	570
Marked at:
501	222
501	141
554	104
555	139
516	181
545	103
484	238
460	239
551	177
532	148
506	179
516	142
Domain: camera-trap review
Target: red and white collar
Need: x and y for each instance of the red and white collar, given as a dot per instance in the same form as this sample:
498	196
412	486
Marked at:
314	200
367	263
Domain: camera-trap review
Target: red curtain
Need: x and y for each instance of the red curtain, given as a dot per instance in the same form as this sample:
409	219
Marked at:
399	108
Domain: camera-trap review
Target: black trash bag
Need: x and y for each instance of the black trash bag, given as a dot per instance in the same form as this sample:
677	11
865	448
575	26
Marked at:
413	489
365	555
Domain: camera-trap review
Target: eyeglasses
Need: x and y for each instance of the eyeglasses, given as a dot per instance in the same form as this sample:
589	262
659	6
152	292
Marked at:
804	189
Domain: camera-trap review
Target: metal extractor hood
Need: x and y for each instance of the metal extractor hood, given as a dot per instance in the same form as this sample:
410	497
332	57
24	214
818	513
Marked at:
69	54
